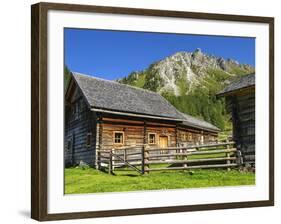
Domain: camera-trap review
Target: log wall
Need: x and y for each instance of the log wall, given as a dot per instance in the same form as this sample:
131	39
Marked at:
80	122
77	127
188	136
243	118
135	132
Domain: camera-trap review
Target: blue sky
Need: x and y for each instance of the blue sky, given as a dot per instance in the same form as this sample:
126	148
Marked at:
115	54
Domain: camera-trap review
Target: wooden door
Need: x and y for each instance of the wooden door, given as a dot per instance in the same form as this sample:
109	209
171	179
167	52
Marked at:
163	143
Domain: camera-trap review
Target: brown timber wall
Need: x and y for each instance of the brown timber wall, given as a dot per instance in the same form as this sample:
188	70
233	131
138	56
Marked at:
193	136
135	132
77	126
243	116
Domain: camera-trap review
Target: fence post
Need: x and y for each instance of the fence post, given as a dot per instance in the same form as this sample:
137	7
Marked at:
197	144
113	159
125	156
228	156
142	159
98	160
239	160
184	157
146	159
110	162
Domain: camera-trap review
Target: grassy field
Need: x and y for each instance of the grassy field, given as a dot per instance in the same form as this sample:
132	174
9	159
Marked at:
90	180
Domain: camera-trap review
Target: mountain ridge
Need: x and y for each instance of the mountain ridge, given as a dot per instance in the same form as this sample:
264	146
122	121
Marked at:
183	78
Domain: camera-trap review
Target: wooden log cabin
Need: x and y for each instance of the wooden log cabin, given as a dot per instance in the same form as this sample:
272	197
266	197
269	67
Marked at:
102	114
240	99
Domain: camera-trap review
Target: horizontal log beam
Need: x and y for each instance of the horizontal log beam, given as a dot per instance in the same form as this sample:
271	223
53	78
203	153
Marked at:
194	167
169	155
103	161
136	147
169	148
128	153
124	164
127	160
191	161
103	151
213	151
193	146
104	157
193	153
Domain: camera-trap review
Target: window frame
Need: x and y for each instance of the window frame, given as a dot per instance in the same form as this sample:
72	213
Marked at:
189	137
148	139
69	143
89	139
123	139
77	108
182	137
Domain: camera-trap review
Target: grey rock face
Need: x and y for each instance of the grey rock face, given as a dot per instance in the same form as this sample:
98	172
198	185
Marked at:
190	68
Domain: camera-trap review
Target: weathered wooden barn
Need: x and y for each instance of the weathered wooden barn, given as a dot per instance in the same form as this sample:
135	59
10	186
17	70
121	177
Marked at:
240	98
102	114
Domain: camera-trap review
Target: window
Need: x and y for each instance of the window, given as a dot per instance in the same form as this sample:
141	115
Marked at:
69	145
118	137
89	139
77	108
151	138
202	139
190	137
198	138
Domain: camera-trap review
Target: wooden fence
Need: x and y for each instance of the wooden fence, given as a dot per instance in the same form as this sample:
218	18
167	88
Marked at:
144	158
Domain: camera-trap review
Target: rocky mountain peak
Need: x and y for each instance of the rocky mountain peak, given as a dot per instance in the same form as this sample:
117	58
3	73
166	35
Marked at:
190	81
197	52
181	72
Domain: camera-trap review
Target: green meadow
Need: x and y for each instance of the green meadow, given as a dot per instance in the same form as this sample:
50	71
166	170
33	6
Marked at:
89	180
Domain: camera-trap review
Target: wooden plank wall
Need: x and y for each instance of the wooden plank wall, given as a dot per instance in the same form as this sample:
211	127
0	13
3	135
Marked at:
77	128
243	115
135	132
133	135
196	136
103	127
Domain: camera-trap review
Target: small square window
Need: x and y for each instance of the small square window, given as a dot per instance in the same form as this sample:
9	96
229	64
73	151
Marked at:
89	139
118	137
76	109
198	138
151	138
183	137
68	145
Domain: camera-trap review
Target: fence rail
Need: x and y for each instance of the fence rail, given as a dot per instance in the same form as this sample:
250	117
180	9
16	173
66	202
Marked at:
143	158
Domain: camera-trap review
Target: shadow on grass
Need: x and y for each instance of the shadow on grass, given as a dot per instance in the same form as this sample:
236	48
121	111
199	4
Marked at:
130	175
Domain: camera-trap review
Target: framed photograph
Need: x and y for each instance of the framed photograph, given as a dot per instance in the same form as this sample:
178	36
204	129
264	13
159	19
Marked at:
139	111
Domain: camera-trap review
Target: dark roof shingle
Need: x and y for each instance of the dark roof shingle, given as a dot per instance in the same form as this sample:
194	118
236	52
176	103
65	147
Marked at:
114	96
197	123
242	82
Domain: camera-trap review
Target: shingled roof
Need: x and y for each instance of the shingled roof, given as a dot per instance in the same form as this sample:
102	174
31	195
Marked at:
243	82
198	123
110	96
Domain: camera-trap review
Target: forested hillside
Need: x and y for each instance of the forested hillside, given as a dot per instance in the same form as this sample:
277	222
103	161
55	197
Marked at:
190	81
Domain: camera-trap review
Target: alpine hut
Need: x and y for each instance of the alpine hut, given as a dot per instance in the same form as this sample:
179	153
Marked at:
102	114
240	99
